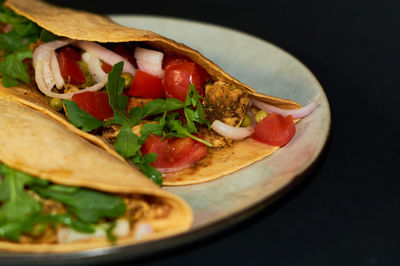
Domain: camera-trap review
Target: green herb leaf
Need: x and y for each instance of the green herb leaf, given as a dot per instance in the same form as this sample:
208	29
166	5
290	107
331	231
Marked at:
13	67
159	106
15	47
143	162
88	205
175	128
47	36
152	128
80	118
17	207
127	143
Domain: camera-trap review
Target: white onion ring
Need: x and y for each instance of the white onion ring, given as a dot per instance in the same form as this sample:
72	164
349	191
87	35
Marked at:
152	69
105	55
41	63
149	61
94	67
142	230
151	56
67	96
235	133
47	70
295	113
55	69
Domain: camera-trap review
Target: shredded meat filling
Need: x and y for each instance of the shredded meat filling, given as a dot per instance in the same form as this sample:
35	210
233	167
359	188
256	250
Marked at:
226	103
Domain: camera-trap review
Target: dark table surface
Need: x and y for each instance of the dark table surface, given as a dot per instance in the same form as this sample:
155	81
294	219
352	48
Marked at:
346	212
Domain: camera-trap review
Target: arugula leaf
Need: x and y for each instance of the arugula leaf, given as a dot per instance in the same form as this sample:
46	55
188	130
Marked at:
17	207
143	162
174	127
13	67
21	213
194	109
87	205
151	128
47	36
159	106
70	221
15	45
80	118
127	143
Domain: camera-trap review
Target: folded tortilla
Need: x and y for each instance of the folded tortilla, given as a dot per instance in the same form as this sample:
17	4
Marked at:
35	144
78	25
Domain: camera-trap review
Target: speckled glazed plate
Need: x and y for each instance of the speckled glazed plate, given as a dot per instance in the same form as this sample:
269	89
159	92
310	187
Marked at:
227	200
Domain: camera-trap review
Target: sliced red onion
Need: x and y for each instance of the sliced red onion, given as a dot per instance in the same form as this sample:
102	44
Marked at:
94	67
235	133
142	230
149	61
55	68
253	120
105	55
41	62
295	113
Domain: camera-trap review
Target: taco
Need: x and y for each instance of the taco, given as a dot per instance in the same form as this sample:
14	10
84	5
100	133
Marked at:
70	195
143	97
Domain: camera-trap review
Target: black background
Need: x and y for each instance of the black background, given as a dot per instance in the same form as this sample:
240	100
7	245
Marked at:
346	212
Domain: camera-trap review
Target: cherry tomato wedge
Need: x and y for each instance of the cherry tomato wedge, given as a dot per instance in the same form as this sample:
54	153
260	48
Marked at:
95	103
170	60
275	130
106	67
174	153
69	67
72	53
146	86
177	78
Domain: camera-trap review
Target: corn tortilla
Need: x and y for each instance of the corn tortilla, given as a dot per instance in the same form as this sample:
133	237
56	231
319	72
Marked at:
33	143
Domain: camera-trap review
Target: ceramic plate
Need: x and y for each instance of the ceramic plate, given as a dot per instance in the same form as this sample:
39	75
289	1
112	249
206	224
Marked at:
227	200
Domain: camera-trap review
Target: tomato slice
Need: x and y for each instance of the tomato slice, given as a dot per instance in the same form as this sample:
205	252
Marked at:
170	60
146	86
275	130
71	72
178	76
95	103
106	67
72	52
174	153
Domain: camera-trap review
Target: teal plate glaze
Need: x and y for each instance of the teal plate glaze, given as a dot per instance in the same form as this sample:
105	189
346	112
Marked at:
223	202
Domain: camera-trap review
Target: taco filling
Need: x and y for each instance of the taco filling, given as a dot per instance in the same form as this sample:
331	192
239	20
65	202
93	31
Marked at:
36	211
159	108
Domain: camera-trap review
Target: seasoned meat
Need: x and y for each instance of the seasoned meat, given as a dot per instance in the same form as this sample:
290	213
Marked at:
226	103
135	102
216	140
110	133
